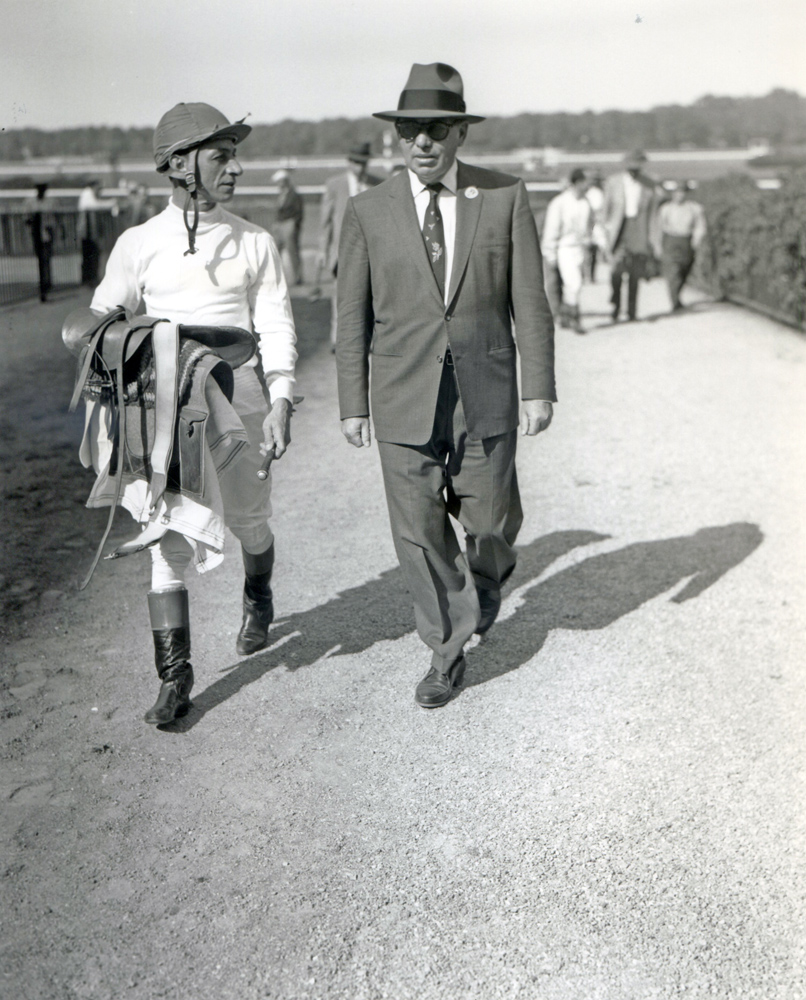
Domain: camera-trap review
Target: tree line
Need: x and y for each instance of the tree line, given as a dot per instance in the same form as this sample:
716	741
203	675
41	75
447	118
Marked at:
778	118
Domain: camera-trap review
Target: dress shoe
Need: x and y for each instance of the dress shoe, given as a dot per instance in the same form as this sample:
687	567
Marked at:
614	314
436	688
490	604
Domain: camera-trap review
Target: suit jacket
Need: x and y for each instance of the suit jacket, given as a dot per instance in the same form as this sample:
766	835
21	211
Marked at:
390	304
613	209
334	202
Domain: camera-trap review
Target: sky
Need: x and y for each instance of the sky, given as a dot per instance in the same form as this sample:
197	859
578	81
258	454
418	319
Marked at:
66	63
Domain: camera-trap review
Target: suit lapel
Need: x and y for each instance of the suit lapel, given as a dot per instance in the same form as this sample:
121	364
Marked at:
468	211
411	238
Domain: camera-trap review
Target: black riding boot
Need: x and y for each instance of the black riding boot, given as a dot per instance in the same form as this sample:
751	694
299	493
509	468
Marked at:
170	625
258	609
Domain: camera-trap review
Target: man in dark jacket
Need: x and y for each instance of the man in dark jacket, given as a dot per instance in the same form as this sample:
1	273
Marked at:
433	266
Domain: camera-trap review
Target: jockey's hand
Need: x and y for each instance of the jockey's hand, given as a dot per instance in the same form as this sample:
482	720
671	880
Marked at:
277	429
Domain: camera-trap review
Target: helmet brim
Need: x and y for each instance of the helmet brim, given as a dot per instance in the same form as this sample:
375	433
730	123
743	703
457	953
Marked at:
238	131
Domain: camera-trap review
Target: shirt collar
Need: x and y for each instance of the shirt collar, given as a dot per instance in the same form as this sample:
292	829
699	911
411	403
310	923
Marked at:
450	180
206	219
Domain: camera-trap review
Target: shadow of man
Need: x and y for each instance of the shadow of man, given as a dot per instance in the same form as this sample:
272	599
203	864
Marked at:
590	595
351	622
597	591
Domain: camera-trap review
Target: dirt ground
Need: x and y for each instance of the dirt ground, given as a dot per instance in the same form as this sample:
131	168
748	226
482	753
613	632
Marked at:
611	810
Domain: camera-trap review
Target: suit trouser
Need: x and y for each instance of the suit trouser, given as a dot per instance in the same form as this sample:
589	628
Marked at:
475	481
286	236
634	265
677	261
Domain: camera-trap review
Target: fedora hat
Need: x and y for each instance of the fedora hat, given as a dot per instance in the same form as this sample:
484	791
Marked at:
432	91
360	153
635	158
186	126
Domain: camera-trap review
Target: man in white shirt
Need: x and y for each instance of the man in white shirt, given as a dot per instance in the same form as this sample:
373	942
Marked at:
595	196
433	265
567	235
628	218
682	226
90	229
196	263
338	190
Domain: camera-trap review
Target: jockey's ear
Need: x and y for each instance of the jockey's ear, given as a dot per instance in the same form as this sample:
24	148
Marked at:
178	165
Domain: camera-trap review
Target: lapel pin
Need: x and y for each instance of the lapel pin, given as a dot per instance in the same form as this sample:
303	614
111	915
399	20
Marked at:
471	192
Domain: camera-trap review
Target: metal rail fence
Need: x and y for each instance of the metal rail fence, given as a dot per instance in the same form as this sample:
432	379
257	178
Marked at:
19	268
19	272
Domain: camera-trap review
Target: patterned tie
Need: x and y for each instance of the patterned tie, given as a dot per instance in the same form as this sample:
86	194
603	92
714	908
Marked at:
434	235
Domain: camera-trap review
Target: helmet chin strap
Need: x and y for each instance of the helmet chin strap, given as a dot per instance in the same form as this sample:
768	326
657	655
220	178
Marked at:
191	183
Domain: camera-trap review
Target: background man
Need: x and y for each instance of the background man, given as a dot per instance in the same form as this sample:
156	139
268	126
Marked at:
288	225
567	236
595	195
628	213
338	190
432	267
91	229
196	263
42	221
682	226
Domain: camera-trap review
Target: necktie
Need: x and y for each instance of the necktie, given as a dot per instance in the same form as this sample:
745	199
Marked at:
434	236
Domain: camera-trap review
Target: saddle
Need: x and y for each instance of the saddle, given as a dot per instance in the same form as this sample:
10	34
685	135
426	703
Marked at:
152	376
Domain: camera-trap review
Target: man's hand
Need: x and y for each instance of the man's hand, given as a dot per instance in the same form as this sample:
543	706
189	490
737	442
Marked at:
277	429
357	432
536	415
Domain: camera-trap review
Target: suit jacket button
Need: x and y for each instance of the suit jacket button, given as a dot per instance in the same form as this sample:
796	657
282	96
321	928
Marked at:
439	359
448	316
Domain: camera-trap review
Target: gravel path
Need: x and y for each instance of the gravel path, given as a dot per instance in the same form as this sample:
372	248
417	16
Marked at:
611	810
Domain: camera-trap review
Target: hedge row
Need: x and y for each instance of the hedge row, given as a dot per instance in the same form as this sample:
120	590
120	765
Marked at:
756	249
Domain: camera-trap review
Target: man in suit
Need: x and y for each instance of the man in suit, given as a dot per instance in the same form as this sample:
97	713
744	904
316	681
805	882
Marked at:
433	266
628	215
355	179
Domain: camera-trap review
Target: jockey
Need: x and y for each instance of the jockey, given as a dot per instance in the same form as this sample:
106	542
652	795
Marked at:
198	265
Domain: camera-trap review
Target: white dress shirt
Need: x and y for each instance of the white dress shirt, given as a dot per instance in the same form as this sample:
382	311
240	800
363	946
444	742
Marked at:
446	202
632	196
355	185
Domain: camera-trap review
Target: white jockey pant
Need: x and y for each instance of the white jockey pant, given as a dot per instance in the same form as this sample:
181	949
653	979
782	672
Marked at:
246	499
571	264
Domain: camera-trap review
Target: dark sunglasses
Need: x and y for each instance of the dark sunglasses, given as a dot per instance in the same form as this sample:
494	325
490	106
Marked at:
409	130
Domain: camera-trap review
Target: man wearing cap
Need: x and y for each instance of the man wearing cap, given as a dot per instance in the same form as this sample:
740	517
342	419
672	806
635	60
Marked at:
197	264
682	227
567	235
355	179
433	267
628	215
288	225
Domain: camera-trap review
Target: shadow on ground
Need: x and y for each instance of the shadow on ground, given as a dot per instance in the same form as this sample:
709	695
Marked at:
667	314
592	594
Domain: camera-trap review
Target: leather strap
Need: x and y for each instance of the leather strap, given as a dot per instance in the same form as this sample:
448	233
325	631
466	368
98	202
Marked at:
113	355
165	344
93	336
